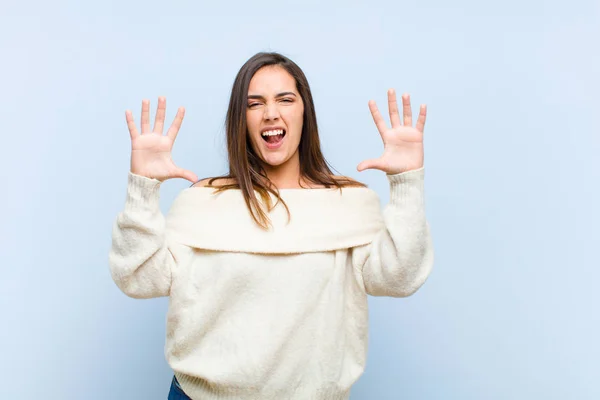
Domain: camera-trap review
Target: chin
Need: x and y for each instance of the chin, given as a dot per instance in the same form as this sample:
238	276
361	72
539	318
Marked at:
275	160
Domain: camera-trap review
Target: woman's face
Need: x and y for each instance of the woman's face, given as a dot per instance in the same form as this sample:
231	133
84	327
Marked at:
274	116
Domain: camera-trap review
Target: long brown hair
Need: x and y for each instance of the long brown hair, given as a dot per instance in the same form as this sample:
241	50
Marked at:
245	167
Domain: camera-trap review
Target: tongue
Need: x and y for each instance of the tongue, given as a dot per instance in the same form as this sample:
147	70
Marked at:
274	138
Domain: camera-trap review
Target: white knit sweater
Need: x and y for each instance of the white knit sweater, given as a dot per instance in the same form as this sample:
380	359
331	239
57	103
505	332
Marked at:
278	314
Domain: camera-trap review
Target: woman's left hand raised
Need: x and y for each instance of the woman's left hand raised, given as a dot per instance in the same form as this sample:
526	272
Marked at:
403	143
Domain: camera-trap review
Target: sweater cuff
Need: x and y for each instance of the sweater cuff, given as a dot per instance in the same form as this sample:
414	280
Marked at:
407	187
142	192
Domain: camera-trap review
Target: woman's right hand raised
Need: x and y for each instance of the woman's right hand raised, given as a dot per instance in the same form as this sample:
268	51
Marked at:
151	151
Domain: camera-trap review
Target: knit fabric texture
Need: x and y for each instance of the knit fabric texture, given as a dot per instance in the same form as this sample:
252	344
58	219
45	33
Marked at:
271	314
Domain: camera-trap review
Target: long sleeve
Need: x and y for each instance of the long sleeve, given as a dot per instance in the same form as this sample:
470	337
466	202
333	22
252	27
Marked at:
140	261
400	258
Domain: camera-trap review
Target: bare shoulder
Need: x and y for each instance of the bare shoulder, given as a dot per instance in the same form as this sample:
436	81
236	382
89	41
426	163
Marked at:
217	182
341	179
344	178
338	177
202	183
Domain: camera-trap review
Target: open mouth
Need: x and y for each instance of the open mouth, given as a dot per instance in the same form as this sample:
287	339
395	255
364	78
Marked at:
273	137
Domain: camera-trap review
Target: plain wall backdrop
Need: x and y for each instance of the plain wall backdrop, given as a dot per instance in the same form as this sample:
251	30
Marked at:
512	181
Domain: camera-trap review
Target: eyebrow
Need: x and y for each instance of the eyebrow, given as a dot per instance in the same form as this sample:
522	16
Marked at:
259	97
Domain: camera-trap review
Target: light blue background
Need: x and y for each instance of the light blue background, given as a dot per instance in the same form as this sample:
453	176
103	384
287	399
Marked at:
512	142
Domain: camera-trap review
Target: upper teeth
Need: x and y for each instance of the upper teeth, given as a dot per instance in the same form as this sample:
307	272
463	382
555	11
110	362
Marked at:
272	133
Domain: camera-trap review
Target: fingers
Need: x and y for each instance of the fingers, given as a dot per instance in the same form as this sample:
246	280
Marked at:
406	111
174	128
393	108
145	116
133	132
377	117
422	117
159	121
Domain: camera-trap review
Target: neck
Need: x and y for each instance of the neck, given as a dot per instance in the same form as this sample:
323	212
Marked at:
286	175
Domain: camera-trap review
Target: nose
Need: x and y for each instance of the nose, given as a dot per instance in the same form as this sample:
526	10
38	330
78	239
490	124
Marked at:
271	112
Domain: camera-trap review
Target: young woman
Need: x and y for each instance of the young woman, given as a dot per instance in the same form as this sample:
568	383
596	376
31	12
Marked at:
268	268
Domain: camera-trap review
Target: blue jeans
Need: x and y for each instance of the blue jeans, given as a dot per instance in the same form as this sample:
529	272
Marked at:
176	392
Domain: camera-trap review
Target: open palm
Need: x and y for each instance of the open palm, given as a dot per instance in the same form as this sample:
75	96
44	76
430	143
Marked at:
151	150
403	143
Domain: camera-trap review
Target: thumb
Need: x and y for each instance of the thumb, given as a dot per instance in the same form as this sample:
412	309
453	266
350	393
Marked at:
187	175
369	164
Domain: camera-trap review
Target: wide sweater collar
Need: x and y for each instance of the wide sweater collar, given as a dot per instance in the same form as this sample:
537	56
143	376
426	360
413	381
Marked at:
320	220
